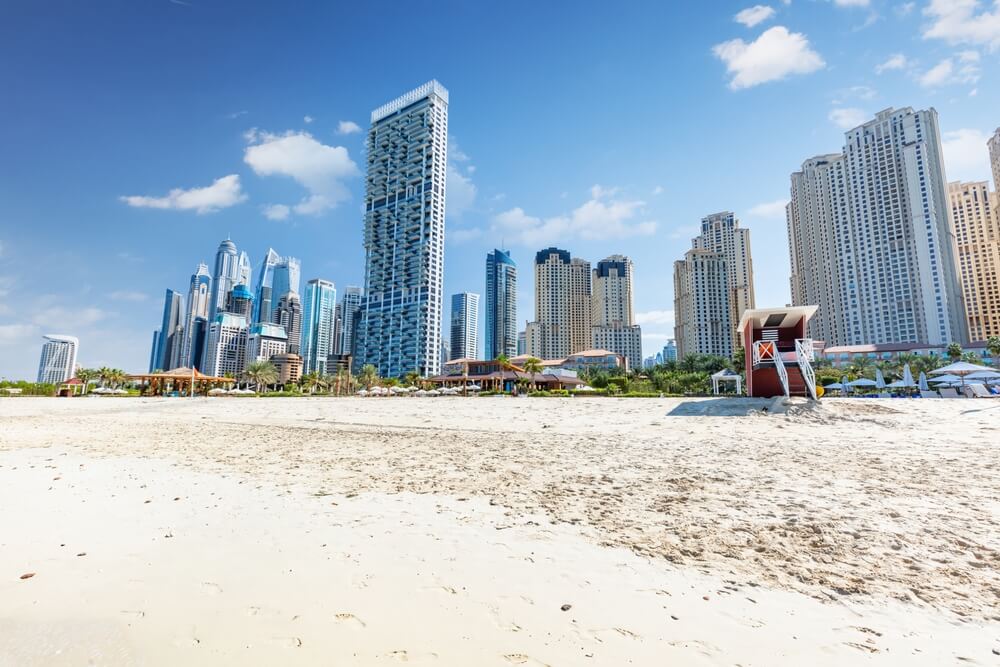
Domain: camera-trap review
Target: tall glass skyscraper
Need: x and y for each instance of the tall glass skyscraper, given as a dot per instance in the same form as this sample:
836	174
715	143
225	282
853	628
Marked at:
225	277
350	303
278	276
501	305
401	313
464	325
58	361
199	297
317	324
171	337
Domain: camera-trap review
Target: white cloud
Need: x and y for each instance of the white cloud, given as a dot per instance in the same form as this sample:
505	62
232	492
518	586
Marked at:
905	9
236	114
965	155
848	118
125	295
896	61
601	217
946	72
348	127
773	56
851	3
1	248
751	16
771	210
222	193
276	211
656	318
961	22
68	319
307	119
461	192
11	334
658	190
319	168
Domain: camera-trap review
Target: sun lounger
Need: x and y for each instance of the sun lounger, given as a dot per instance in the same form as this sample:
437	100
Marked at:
949	392
929	394
978	391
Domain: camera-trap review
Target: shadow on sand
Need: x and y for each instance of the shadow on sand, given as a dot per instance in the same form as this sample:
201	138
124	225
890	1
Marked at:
719	407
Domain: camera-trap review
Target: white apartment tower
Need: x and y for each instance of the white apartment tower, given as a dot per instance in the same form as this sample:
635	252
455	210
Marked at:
226	345
721	233
266	340
703	308
976	220
58	361
563	319
613	310
401	312
994	146
883	214
464	325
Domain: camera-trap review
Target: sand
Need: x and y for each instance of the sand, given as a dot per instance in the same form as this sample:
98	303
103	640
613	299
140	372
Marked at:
454	531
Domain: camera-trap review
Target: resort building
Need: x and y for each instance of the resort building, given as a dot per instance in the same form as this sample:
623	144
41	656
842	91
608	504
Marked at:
464	325
58	361
702	305
501	305
562	305
226	345
493	375
198	302
870	240
613	310
592	360
289	315
289	367
266	340
840	356
171	339
317	325
278	276
401	312
974	215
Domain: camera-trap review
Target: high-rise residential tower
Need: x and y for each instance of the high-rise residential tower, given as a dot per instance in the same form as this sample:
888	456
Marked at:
226	345
58	361
613	310
501	305
171	339
225	276
278	276
317	324
464	325
703	304
266	340
721	233
563	319
670	351
994	146
289	315
976	220
240	302
871	230
198	302
350	303
407	154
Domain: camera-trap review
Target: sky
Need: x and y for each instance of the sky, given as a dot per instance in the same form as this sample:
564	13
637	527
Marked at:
135	136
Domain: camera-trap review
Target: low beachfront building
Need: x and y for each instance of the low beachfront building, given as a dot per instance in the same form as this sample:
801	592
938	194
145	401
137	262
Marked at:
289	367
840	356
498	376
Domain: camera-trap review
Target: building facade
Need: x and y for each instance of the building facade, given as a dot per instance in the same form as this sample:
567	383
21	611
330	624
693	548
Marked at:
880	212
266	340
613	310
58	361
198	303
669	351
407	155
464	325
317	325
702	304
974	215
501	305
171	339
289	315
225	276
240	302
563	306
994	147
278	276
226	345
350	304
289	368
721	233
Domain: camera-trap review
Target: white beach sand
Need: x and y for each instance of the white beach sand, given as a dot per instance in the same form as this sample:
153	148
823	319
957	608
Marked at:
452	532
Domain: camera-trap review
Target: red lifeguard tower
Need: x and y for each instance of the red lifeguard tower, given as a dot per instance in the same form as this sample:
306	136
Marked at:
779	356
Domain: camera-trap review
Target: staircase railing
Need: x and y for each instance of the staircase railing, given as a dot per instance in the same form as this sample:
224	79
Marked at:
779	365
804	355
766	351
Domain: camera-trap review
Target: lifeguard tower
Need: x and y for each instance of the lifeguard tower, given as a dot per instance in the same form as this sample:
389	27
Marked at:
779	356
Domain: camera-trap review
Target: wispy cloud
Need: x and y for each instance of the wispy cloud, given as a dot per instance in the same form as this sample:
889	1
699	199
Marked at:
961	22
965	155
773	56
126	295
896	61
307	119
222	193
348	127
771	210
751	16
847	118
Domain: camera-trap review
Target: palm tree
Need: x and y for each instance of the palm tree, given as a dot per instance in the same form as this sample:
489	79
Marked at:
86	376
412	378
369	376
311	381
260	373
954	351
532	366
993	347
860	364
103	373
117	377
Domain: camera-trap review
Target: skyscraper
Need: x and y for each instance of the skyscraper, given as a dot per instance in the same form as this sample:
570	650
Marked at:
613	310
225	277
721	233
350	304
58	361
407	153
154	350
703	304
240	302
171	337
226	345
464	325
670	351
976	220
278	276
501	305
562	323
870	229
317	324
994	146
198	302
289	315
266	340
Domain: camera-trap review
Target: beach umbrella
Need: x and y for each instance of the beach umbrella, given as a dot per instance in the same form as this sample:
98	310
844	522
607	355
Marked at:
835	385
922	382
844	386
879	379
983	375
946	379
474	387
961	369
907	376
898	384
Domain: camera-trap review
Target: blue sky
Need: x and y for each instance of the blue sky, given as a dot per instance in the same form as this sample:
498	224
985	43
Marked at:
136	136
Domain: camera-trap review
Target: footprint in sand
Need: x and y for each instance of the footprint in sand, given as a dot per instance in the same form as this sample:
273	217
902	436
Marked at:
210	588
627	633
522	659
285	642
350	619
406	656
